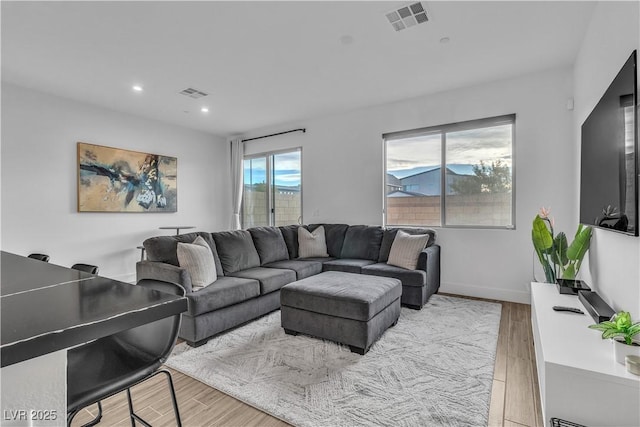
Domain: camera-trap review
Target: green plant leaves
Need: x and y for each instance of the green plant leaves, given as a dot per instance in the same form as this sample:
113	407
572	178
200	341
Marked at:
580	244
603	326
569	272
623	320
542	239
543	245
619	326
559	254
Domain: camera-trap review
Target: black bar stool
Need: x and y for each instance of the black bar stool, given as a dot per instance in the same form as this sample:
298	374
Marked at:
109	365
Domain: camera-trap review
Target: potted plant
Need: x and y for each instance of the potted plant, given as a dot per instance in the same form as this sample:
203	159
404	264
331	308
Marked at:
622	331
560	260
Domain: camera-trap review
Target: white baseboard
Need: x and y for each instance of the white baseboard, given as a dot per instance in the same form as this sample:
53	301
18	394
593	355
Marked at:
522	297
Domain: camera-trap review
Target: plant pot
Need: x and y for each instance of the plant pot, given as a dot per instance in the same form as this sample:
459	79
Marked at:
621	350
571	286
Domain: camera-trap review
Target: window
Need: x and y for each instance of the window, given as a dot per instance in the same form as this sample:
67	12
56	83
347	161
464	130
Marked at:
474	189
272	189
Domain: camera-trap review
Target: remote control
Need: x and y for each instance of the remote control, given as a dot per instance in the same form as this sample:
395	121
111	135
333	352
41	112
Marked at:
570	309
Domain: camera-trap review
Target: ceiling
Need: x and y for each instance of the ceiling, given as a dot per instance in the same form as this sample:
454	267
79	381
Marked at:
266	63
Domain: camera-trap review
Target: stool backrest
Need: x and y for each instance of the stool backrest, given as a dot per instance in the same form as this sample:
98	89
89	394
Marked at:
154	341
87	268
40	257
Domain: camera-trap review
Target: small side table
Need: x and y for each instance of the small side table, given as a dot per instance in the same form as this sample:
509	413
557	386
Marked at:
177	228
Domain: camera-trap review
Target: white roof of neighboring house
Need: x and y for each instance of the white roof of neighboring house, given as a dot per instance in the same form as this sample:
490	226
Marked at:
400	193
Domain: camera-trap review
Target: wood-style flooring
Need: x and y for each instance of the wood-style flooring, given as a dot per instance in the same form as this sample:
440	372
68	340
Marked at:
514	397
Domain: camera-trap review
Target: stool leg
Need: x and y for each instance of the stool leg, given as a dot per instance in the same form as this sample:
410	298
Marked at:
174	400
133	420
95	421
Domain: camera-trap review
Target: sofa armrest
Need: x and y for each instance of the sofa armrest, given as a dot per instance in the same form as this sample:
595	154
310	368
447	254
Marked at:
164	272
429	261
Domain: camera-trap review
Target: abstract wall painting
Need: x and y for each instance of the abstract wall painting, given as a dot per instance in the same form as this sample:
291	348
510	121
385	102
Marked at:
116	180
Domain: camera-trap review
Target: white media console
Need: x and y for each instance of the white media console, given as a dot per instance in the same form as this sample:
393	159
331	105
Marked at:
580	381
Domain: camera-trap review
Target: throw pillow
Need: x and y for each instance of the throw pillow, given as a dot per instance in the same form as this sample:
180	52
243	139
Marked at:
312	244
197	259
406	249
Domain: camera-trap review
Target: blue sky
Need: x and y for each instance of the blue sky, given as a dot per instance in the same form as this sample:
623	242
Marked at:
286	169
282	177
407	156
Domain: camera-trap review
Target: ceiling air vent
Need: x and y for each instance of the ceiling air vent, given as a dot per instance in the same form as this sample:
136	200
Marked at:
193	93
407	16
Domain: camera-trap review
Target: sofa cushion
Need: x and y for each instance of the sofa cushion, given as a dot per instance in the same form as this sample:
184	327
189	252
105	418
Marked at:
223	292
271	279
390	235
197	259
334	235
290	236
406	249
346	265
416	278
312	243
362	242
269	243
164	248
236	250
302	268
350	296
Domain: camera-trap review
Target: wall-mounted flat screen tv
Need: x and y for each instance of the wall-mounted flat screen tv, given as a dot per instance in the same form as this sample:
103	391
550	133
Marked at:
609	157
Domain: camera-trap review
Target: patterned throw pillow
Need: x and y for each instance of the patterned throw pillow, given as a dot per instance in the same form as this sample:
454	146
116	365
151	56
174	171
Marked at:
197	259
312	244
406	249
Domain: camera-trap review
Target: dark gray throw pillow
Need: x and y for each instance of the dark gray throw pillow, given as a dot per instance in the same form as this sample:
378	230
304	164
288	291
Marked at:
236	250
290	234
334	236
362	242
270	244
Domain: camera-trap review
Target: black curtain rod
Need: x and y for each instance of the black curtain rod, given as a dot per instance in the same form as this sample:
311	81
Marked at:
275	134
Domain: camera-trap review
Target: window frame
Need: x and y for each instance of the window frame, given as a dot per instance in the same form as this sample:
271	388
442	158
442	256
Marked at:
442	130
270	197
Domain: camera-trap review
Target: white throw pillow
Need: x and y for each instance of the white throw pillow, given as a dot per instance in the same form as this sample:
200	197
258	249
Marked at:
406	249
312	244
197	259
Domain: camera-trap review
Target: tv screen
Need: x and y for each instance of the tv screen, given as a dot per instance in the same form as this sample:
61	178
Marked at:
609	157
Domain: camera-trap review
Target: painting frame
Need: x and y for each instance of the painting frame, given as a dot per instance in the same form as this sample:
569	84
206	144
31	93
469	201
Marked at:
111	179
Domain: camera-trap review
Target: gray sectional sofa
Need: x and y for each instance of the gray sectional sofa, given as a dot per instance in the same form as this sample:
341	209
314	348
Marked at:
254	264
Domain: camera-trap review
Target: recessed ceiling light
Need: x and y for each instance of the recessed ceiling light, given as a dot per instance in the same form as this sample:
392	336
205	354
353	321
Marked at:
137	88
205	109
445	40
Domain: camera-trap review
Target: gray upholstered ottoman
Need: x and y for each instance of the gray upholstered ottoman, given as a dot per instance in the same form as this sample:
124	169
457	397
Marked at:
352	309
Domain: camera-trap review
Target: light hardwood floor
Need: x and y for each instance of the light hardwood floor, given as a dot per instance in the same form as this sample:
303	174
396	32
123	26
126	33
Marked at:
514	396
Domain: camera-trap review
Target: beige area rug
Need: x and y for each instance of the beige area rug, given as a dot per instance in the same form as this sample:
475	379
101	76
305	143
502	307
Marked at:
434	368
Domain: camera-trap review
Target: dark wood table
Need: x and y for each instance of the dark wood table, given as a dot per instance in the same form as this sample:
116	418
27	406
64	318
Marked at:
47	309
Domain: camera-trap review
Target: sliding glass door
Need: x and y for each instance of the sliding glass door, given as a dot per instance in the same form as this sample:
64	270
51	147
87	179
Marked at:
255	209
272	189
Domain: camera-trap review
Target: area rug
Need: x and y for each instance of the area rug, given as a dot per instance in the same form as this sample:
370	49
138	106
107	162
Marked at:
434	368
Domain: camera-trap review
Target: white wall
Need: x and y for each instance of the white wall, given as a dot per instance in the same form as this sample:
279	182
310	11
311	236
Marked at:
343	172
614	32
39	181
35	385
